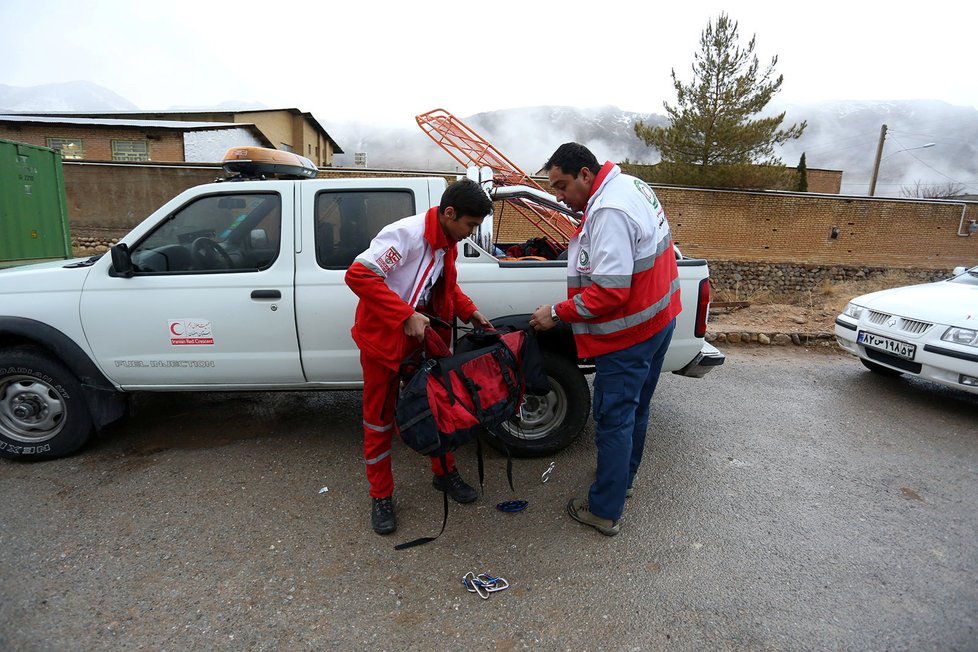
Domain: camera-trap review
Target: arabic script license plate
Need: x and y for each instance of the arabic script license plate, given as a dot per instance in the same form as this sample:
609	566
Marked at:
893	347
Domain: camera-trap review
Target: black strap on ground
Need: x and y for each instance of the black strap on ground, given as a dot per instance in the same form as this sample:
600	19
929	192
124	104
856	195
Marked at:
482	462
444	521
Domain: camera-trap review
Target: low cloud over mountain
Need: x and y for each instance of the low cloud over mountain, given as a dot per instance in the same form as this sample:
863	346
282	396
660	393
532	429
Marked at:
67	96
840	135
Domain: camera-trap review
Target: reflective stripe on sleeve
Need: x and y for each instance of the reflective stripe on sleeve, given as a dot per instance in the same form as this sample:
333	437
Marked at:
372	266
384	428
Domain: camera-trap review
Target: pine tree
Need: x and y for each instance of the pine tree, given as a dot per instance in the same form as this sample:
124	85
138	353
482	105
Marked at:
802	174
712	123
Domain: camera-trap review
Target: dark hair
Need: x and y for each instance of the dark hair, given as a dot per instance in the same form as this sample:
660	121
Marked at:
467	198
571	158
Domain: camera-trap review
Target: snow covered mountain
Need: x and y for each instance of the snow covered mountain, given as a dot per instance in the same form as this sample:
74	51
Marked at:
68	96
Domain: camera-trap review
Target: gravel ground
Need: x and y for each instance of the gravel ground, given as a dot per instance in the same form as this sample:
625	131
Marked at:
789	500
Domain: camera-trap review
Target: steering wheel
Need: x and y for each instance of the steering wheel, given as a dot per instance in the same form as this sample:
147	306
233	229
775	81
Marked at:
207	254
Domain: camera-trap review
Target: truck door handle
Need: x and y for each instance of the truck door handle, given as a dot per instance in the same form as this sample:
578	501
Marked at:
266	294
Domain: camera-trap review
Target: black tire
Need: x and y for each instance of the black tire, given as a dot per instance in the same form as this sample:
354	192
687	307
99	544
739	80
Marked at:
880	369
549	423
43	414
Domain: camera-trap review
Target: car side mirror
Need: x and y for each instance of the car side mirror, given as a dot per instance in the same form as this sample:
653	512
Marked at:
958	271
121	261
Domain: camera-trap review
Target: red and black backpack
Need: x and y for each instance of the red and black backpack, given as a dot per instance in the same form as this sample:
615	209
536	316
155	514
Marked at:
447	401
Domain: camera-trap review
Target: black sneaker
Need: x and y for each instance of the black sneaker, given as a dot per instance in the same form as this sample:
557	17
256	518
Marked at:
382	515
457	487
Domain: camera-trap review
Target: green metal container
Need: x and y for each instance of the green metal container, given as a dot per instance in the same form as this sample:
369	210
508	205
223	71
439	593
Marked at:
33	209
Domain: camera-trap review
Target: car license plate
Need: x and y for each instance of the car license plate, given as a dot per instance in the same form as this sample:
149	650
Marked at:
893	347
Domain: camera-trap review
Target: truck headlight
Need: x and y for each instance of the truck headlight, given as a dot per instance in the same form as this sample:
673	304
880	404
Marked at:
964	336
853	311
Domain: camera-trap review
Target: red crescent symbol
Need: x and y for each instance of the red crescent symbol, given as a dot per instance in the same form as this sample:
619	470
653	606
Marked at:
173	328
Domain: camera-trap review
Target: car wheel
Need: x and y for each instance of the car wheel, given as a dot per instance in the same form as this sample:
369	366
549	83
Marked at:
546	424
880	369
42	411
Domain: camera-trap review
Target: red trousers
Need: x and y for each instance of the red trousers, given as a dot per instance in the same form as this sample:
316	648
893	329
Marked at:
379	391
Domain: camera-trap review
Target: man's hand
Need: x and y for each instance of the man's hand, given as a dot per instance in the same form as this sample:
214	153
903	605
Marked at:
540	319
478	319
414	326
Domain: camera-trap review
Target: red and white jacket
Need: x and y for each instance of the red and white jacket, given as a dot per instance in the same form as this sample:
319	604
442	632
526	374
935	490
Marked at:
408	263
622	278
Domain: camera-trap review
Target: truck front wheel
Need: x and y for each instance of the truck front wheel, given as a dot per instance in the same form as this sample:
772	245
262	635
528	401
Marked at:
42	411
546	424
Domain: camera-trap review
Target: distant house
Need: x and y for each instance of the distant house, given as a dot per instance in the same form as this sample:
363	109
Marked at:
171	136
114	139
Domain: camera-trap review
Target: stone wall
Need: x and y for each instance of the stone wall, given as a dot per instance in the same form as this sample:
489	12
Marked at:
745	279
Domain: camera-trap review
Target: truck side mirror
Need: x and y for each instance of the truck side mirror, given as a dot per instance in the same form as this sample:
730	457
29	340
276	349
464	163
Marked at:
121	261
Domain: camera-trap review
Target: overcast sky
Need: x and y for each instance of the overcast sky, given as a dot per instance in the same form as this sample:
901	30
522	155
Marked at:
385	62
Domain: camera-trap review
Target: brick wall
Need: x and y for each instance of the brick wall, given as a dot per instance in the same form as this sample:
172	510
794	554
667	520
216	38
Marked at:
827	181
111	199
794	229
798	228
164	144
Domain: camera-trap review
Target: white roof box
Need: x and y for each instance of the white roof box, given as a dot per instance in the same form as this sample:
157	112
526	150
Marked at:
257	162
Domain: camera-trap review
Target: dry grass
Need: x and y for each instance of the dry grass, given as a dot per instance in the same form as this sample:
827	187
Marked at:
829	295
835	295
735	294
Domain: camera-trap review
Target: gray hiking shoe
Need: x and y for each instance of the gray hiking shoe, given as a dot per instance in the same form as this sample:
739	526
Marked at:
579	511
628	492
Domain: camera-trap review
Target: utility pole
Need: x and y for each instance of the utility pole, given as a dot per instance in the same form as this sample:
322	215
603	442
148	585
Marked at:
876	165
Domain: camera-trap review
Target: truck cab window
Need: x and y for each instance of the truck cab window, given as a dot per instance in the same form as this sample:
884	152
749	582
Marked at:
346	222
218	233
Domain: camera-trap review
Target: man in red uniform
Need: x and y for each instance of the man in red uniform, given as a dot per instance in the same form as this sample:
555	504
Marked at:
622	302
409	270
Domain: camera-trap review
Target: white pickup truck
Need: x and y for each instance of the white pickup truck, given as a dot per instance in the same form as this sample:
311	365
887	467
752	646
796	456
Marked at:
238	285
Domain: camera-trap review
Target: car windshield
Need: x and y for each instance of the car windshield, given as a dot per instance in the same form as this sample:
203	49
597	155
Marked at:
969	276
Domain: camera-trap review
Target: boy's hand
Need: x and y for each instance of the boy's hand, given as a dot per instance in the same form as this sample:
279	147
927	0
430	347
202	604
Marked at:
478	319
414	326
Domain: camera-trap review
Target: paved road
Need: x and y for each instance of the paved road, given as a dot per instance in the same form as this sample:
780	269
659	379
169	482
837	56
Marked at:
791	500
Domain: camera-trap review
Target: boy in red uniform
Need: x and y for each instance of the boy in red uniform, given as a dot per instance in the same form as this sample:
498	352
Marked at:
409	270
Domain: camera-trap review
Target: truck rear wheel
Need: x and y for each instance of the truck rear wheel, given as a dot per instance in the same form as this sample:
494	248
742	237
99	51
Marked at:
546	424
42	411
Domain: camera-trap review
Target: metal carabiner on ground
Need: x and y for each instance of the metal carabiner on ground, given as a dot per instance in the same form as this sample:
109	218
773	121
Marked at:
546	474
475	585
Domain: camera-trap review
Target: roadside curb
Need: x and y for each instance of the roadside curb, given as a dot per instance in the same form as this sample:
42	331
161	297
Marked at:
816	338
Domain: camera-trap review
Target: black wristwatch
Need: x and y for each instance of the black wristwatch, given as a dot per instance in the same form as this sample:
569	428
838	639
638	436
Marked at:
553	314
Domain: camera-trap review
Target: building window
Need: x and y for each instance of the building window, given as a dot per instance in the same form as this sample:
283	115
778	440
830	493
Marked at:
130	150
285	147
69	148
